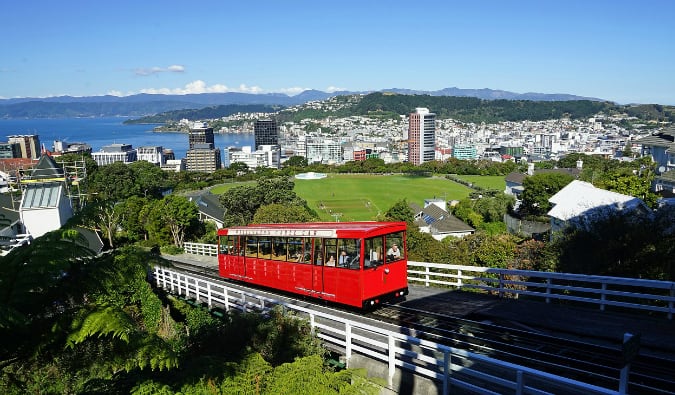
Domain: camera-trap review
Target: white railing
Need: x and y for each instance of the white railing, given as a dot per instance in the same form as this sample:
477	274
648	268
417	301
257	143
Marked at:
200	249
647	295
448	365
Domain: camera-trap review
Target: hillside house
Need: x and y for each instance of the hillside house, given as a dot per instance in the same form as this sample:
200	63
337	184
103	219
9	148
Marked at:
434	219
661	147
580	201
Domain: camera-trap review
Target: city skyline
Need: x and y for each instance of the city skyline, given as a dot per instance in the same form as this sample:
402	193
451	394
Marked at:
613	50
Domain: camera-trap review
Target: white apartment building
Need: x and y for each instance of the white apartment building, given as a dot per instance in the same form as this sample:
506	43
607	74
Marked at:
152	154
322	150
115	153
266	156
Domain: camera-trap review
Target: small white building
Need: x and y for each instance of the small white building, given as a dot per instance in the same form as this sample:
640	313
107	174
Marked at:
115	153
45	205
152	154
580	201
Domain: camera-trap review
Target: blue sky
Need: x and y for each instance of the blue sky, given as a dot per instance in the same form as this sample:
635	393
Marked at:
615	50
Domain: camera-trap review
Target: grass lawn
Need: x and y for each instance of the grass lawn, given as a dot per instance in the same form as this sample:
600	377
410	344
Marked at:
361	197
489	182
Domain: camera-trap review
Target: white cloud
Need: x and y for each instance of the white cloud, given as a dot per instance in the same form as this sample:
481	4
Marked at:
332	89
176	68
142	71
199	86
293	91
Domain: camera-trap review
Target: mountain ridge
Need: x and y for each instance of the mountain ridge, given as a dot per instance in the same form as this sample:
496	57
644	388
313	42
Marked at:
148	104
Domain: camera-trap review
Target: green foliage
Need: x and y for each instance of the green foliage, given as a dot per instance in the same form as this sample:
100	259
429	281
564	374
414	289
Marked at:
469	109
623	244
400	211
242	202
538	189
171	249
177	214
107	321
282	213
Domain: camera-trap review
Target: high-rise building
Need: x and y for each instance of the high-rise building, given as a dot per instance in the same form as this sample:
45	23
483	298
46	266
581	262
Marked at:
266	132
10	150
30	145
202	155
421	136
200	133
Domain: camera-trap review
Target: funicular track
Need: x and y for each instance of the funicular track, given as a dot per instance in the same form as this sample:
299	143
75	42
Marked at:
590	360
594	361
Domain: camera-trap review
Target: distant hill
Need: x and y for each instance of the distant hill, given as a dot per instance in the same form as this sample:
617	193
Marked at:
149	104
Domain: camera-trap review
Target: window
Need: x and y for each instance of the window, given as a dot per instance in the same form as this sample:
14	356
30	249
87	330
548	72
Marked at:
330	246
349	253
318	251
295	249
373	252
279	248
265	247
251	246
228	244
395	247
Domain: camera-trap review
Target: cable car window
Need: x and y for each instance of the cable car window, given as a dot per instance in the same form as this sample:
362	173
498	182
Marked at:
318	251
252	246
279	248
264	247
307	252
330	246
226	244
295	249
373	252
395	247
349	253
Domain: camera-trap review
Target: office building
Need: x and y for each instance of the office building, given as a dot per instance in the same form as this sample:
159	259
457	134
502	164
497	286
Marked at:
265	132
421	136
202	155
152	154
10	150
29	145
200	133
115	153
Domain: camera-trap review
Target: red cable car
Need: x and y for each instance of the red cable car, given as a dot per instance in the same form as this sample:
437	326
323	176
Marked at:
359	264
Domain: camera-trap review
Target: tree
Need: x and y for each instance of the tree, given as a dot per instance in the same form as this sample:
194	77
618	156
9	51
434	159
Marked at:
148	179
296	161
282	213
113	182
105	216
400	211
133	219
177	214
242	202
538	189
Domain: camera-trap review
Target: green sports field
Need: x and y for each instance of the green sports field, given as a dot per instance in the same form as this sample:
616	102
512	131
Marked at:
358	197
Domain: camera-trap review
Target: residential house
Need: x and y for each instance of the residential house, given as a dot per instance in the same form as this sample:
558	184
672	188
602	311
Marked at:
661	147
210	208
580	201
434	219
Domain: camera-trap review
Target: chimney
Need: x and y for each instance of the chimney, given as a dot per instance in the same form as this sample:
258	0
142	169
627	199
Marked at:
530	169
580	164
